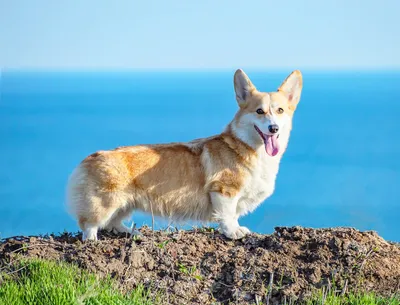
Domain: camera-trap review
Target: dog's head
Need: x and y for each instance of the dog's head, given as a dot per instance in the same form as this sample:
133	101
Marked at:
263	116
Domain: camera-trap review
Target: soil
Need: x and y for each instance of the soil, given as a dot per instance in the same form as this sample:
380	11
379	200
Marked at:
203	267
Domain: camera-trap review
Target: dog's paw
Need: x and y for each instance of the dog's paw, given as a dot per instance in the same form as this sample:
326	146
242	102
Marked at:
236	233
121	228
89	235
118	228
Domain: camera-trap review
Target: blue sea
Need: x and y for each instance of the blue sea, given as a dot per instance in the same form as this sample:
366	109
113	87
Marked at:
341	168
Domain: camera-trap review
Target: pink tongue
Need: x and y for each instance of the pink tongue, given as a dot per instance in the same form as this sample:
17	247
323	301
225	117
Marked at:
272	145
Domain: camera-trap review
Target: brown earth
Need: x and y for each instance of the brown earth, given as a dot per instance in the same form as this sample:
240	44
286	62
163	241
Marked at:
203	267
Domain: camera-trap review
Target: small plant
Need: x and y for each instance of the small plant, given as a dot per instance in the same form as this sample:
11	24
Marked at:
136	237
191	271
207	230
183	269
25	246
163	244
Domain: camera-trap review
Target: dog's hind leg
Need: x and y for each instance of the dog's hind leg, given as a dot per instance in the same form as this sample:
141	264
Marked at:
98	211
93	203
91	224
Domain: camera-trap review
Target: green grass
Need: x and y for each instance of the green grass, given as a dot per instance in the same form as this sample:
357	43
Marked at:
40	282
49	283
352	299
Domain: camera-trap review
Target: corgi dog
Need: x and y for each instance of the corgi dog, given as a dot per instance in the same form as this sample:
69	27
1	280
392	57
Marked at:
215	179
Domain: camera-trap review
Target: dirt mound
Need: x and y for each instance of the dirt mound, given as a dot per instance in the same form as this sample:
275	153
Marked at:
201	266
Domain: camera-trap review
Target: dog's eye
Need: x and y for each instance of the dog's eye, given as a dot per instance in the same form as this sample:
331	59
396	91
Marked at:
280	110
260	111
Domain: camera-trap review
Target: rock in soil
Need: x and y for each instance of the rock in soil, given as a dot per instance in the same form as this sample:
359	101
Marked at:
203	267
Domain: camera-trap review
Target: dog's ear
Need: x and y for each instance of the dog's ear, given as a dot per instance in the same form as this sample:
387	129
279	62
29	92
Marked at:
243	87
291	87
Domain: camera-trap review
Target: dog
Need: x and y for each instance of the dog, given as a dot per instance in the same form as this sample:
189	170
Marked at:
215	179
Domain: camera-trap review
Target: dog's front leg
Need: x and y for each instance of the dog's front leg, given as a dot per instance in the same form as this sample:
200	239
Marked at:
226	215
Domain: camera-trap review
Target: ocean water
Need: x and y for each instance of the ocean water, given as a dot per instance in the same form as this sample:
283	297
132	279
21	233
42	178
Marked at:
341	168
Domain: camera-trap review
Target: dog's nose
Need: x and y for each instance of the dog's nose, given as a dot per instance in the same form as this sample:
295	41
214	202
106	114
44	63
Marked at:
273	128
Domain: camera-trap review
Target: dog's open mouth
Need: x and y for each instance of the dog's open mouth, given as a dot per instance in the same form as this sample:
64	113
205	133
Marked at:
270	141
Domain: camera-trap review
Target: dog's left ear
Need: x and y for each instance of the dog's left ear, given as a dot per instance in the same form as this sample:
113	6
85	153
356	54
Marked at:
243	87
291	87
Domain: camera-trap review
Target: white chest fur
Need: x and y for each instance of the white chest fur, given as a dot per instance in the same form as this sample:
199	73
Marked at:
260	184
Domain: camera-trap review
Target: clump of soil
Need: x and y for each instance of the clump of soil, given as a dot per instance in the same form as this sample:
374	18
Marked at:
203	267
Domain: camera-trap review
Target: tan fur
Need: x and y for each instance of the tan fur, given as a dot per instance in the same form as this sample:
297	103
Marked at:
175	180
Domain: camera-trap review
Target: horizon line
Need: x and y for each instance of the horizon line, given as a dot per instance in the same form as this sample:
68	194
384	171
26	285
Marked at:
194	69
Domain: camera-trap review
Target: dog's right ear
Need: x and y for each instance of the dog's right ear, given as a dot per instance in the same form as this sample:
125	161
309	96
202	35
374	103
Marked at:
291	88
243	87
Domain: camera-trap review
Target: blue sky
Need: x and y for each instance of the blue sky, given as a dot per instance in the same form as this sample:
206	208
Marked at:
200	34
